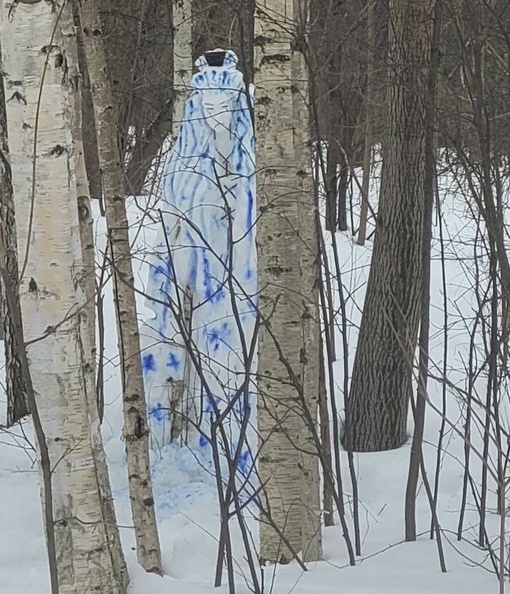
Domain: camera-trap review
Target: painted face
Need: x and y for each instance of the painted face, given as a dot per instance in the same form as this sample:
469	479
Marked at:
217	110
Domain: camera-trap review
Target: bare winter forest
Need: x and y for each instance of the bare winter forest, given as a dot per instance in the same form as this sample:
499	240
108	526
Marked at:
255	296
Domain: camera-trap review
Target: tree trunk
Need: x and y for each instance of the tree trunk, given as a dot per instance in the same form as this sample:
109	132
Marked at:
327	490
17	406
73	83
183	59
88	123
369	121
333	158
183	72
430	178
382	374
343	186
53	299
136	430
288	364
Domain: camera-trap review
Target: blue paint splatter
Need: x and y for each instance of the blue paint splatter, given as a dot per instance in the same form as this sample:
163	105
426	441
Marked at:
245	463
173	362
218	335
148	363
158	412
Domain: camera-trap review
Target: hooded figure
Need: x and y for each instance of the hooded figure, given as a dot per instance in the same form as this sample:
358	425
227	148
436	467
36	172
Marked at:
202	279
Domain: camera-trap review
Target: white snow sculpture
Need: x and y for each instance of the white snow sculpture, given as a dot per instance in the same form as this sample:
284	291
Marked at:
203	269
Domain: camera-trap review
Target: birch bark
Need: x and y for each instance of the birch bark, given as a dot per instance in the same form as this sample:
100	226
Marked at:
183	59
53	299
73	82
136	431
288	370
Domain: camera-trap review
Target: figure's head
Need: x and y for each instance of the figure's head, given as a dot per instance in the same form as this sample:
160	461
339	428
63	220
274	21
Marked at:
218	100
217	85
218	109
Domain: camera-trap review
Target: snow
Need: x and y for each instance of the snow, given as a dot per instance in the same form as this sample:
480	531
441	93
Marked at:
188	523
188	510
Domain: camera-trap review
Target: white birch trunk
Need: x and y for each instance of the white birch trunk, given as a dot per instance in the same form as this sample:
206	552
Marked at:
183	59
73	83
287	256
53	301
183	71
136	430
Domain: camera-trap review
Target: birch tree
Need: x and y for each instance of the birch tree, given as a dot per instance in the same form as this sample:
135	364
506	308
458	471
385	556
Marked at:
52	297
183	58
288	364
136	430
74	93
383	366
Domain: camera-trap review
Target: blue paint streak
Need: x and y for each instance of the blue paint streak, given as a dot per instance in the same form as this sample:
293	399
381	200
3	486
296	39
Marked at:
245	463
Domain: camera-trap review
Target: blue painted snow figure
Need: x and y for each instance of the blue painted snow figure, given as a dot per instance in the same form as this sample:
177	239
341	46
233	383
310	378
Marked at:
203	265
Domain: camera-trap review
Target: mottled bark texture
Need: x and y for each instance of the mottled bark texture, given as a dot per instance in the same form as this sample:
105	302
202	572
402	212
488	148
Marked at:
383	366
52	297
17	406
288	359
136	429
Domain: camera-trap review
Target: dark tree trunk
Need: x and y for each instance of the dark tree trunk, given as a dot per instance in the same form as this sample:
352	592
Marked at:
416	458
343	186
327	488
333	156
90	150
17	407
382	374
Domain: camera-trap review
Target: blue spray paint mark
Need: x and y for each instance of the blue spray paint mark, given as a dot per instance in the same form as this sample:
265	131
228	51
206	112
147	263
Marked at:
148	363
245	463
173	362
158	412
218	335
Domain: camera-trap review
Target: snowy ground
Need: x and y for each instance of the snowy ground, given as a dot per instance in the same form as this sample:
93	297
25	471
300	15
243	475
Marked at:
188	522
188	512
